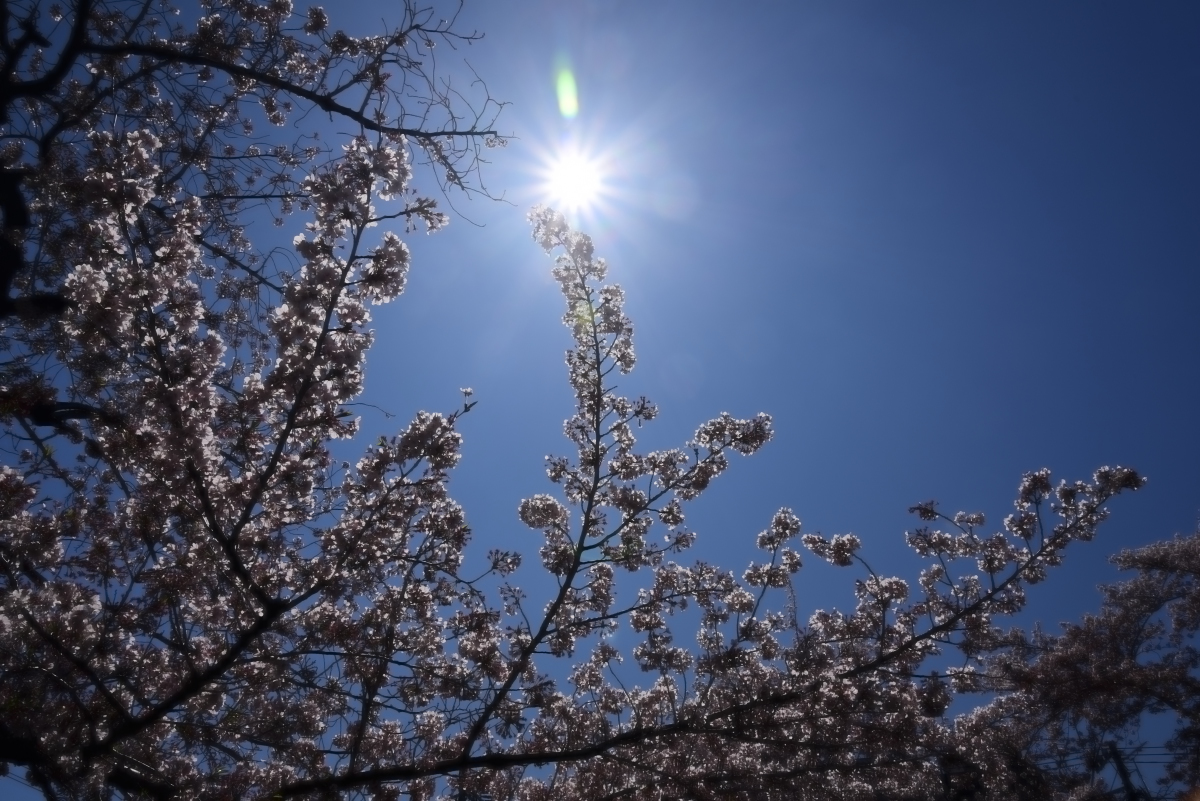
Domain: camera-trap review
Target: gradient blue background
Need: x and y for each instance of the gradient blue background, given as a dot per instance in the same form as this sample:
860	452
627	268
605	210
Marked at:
941	243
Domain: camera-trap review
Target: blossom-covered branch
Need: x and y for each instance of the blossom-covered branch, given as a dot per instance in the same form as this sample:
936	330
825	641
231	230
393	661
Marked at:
198	599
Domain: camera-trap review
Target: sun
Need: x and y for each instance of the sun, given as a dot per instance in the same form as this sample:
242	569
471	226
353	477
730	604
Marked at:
574	182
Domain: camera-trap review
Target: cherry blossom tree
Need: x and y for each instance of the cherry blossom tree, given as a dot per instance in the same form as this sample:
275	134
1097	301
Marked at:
1085	697
118	105
198	600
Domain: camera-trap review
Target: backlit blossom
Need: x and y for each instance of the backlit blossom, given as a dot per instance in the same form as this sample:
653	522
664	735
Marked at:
203	596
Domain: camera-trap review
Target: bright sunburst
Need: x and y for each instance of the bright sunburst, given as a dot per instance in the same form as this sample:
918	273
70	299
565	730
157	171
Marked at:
574	182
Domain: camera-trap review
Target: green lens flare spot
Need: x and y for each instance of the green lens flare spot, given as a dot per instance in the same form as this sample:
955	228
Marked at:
568	96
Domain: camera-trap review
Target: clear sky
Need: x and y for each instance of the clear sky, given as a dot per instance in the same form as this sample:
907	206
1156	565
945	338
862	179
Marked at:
941	243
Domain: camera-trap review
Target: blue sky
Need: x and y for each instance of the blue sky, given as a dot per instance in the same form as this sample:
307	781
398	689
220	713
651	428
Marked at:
942	244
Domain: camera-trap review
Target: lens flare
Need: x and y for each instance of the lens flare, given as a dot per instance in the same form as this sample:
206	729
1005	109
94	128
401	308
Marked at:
568	96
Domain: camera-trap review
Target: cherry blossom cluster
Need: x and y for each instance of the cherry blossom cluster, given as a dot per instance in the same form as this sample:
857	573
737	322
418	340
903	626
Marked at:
195	596
199	599
1077	701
